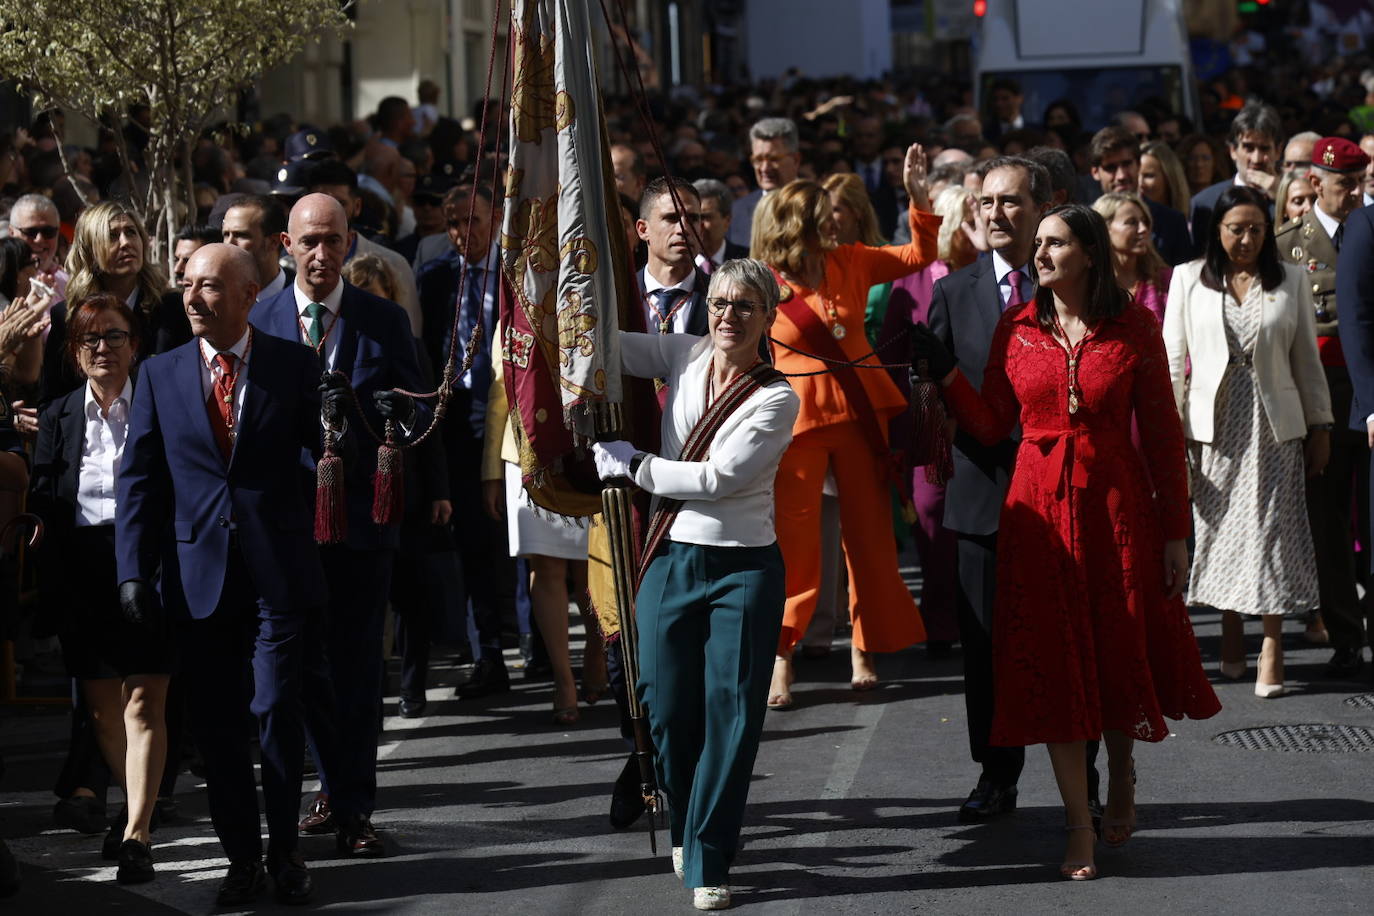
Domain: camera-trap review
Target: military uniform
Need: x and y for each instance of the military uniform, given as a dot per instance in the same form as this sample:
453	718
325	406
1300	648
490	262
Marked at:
1331	495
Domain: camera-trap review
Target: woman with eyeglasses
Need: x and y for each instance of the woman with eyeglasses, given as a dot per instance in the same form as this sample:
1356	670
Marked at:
111	253
122	668
710	598
1257	415
843	421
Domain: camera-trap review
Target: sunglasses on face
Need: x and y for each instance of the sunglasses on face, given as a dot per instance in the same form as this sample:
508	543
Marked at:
114	339
38	232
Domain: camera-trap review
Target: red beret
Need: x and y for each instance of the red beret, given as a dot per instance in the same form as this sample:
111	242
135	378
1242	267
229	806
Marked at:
1337	154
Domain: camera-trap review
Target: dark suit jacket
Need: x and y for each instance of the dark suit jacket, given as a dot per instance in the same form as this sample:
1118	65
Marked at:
377	353
1171	234
173	474
1355	293
734	252
1201	217
742	217
964	310
162	326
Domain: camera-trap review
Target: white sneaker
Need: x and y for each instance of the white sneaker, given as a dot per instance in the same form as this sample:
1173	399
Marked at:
677	862
711	898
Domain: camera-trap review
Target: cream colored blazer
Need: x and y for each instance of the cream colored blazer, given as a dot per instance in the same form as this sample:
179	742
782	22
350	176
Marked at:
1292	384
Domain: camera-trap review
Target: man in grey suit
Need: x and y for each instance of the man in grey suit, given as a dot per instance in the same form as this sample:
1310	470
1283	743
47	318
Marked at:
775	153
964	310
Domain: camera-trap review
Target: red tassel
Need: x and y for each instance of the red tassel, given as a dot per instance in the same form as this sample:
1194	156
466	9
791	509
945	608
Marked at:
932	446
331	511
388	485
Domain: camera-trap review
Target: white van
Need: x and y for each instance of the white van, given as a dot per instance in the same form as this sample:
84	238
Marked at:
1104	56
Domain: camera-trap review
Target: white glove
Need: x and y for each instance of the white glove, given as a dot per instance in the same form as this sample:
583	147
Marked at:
613	458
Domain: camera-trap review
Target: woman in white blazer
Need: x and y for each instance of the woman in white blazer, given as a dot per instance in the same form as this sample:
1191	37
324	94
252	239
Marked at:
1241	336
710	602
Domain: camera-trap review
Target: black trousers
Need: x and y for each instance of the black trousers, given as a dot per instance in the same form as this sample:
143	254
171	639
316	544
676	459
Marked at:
488	569
977	568
1331	499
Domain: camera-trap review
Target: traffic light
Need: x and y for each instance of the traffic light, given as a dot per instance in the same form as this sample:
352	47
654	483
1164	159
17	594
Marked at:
980	8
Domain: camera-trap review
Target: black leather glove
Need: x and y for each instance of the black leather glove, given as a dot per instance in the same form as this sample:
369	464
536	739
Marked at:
393	405
140	605
926	346
334	398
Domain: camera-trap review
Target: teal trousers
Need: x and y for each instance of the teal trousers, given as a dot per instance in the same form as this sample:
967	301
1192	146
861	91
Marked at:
709	620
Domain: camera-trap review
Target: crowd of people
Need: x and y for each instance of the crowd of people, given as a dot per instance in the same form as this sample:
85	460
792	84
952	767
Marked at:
1154	342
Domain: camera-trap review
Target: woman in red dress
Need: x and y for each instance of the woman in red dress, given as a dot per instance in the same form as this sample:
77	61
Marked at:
1091	637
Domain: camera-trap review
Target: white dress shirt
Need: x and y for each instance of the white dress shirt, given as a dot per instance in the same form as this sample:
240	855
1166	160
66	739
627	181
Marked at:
274	286
1328	222
679	320
210	371
332	303
101	450
714	260
1001	268
728	498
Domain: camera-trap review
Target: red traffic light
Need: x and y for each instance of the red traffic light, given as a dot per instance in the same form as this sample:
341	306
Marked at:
980	8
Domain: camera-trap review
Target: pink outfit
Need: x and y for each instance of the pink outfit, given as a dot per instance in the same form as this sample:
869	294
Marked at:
1153	294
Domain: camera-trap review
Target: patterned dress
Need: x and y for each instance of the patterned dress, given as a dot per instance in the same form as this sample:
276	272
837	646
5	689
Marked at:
1084	638
1254	548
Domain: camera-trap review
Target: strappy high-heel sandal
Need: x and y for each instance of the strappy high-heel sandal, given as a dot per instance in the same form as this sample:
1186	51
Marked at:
1078	869
1116	831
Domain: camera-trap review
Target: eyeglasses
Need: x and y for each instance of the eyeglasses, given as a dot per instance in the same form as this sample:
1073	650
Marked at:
38	232
114	340
1240	230
743	307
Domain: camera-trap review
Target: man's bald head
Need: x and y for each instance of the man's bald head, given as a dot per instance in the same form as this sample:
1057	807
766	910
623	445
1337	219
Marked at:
221	286
318	239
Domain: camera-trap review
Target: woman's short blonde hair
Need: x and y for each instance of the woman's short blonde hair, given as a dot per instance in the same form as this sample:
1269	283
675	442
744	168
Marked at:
369	268
1150	265
952	207
853	194
87	259
789	227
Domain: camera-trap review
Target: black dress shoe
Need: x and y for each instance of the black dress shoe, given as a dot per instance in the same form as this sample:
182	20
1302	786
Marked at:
319	820
1345	663
986	801
357	838
114	838
242	884
488	676
166	811
135	863
627	801
80	813
291	881
9	872
412	709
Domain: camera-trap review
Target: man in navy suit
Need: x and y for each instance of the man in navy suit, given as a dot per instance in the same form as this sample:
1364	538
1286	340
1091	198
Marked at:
1255	138
368	341
716	201
1355	294
674	287
216	428
1116	167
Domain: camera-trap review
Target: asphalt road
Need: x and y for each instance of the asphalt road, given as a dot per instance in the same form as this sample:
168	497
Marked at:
489	809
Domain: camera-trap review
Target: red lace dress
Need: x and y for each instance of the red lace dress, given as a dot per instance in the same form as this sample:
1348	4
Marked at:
1083	637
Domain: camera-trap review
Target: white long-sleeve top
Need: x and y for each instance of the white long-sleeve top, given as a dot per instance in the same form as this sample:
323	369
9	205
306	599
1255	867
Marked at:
728	498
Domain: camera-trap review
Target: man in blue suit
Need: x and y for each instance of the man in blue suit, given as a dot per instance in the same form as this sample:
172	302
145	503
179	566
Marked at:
1355	295
216	428
1254	141
367	341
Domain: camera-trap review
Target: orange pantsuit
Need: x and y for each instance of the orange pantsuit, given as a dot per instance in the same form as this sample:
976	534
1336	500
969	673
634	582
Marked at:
828	434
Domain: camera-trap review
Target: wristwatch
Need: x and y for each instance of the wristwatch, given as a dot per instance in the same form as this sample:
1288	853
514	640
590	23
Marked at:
635	462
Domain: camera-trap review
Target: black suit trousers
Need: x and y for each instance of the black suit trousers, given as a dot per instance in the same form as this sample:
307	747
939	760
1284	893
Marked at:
246	658
488	569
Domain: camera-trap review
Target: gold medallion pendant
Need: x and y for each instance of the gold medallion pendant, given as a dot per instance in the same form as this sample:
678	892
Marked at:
838	331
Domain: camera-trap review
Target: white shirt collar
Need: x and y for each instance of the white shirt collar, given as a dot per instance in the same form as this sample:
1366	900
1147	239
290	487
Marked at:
1328	222
274	286
132	300
239	349
333	302
717	258
1002	268
651	283
124	398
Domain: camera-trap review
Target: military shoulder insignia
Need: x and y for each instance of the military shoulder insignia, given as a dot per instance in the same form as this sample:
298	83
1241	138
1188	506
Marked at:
784	293
1297	252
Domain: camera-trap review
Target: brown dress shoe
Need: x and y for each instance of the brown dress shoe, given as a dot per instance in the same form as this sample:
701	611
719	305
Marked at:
319	819
357	838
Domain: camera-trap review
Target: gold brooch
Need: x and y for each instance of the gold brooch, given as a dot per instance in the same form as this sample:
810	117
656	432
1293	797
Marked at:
784	293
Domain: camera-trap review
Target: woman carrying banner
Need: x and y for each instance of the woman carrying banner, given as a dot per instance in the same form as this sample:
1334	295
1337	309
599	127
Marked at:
842	424
710	599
